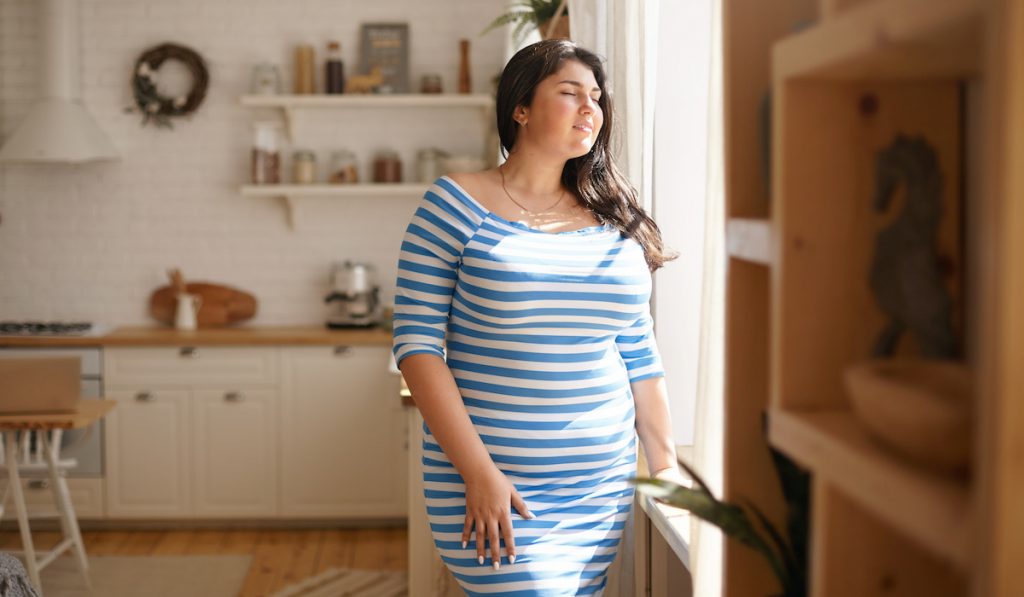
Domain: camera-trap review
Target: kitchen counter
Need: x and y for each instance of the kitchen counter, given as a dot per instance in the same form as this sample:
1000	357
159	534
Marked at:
227	336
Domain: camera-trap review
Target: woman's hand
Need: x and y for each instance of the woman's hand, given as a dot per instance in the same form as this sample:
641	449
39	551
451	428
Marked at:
489	498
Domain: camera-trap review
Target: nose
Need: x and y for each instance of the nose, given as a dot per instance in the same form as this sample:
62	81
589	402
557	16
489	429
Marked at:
588	105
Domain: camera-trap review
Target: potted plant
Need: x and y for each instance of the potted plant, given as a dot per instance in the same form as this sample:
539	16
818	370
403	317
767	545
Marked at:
785	553
549	17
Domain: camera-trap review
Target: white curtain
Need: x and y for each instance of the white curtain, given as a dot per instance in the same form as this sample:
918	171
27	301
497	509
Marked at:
706	543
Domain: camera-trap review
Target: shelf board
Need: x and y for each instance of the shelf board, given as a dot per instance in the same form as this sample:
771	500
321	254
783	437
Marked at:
368	100
335	190
292	194
930	508
887	39
750	239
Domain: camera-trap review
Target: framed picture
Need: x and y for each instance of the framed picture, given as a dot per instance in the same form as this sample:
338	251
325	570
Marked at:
386	45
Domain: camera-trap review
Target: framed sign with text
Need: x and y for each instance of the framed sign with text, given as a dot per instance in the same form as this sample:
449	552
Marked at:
386	45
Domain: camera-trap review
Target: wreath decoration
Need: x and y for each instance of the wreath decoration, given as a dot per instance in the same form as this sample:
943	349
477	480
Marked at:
159	108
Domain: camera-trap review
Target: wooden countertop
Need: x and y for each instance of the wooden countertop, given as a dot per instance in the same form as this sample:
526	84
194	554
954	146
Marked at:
227	336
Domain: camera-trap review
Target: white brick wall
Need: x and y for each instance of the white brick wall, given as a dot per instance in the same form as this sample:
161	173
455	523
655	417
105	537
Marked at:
91	242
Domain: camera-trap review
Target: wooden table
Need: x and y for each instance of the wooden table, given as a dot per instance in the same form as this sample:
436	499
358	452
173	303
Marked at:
89	412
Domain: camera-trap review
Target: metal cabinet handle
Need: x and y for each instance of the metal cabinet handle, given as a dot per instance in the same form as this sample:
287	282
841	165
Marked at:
39	484
145	397
234	397
189	351
342	350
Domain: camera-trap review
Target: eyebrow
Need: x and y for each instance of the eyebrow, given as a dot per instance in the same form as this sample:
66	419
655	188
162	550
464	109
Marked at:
578	84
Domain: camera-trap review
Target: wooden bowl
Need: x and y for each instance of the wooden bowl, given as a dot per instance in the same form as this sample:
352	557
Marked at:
919	408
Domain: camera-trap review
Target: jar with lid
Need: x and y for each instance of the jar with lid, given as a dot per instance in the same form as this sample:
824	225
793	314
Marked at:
430	164
430	83
303	167
387	166
344	168
266	157
266	79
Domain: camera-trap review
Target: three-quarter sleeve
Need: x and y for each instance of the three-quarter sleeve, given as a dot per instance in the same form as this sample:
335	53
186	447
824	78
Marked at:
639	349
428	263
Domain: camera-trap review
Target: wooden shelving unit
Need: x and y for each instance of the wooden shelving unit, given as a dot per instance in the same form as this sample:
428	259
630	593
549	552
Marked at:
799	310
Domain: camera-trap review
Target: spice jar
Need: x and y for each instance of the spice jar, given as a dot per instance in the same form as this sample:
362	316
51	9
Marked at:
429	164
266	79
266	159
303	167
430	84
344	168
387	167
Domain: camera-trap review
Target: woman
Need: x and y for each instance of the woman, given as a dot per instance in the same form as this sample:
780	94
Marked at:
536	276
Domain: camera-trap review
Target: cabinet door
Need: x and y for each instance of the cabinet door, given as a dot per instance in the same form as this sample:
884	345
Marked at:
147	452
342	440
235	457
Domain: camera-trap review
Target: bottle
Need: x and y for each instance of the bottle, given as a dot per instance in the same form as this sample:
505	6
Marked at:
465	81
334	75
304	83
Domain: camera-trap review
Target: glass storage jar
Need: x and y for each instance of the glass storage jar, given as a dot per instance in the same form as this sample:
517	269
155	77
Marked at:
266	157
344	168
387	166
303	167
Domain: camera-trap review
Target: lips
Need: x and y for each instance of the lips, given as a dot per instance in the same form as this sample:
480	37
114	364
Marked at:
583	126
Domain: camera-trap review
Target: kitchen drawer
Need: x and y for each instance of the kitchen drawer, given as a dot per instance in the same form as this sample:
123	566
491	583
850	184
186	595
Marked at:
189	365
86	496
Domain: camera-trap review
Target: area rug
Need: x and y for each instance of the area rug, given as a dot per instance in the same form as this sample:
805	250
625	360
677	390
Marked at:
345	582
152	576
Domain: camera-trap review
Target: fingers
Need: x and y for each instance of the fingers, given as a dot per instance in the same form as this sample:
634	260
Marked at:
520	505
495	545
510	542
467	529
480	541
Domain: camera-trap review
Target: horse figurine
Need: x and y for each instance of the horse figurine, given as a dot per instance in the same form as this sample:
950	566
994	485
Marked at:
905	275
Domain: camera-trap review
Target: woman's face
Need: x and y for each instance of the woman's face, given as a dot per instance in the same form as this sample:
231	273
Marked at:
564	117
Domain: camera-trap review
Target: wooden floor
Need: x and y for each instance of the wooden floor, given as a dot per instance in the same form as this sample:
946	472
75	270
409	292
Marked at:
280	557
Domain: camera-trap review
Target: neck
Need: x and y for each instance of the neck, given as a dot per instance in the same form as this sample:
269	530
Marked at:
533	175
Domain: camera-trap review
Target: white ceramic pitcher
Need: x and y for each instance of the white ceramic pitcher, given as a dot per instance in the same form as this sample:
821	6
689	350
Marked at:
187	310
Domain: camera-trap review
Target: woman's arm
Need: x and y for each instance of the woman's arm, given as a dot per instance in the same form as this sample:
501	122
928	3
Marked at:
437	397
654	424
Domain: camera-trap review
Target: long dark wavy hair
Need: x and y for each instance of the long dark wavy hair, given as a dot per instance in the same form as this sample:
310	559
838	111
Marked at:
594	177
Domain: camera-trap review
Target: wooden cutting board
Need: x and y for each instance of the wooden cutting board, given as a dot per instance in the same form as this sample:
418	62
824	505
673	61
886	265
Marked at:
221	306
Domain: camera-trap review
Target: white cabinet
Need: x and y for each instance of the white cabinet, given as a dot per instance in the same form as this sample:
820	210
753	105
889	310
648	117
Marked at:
148	451
235	463
342	433
193	434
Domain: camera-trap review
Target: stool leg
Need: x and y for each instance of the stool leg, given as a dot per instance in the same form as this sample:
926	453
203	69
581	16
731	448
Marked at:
62	497
19	506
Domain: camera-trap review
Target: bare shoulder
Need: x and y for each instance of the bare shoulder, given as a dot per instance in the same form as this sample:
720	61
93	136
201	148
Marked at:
480	185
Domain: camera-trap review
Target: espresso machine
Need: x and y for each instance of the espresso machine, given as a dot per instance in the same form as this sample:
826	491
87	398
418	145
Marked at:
354	298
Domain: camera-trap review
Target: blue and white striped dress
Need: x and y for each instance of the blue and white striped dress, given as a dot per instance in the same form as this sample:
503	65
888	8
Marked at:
544	333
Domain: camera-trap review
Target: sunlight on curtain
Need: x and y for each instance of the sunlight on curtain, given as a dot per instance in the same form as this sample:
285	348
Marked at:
706	549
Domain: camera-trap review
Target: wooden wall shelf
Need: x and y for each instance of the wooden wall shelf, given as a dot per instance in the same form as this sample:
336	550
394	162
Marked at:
888	39
750	239
931	508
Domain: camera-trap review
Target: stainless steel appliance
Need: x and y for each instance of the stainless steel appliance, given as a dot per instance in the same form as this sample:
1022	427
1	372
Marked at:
354	298
84	445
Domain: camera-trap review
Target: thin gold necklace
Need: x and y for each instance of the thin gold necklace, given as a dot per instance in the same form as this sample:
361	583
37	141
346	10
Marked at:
532	213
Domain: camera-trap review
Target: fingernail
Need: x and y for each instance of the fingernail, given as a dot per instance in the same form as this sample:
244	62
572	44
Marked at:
530	515
497	565
480	559
511	558
463	545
